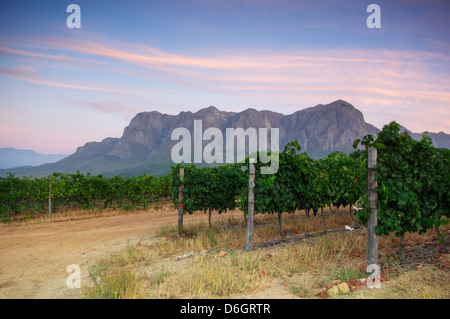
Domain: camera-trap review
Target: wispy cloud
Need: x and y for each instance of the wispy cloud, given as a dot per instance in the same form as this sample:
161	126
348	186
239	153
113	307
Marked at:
104	106
382	78
29	74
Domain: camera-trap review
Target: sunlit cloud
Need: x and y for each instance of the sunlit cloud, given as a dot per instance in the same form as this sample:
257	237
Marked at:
11	52
29	74
104	106
381	78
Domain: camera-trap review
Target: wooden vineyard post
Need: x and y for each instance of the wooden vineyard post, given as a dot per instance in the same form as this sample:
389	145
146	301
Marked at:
251	206
180	201
209	218
372	240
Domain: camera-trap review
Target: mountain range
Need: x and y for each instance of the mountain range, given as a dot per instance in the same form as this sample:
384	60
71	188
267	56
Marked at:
146	144
12	157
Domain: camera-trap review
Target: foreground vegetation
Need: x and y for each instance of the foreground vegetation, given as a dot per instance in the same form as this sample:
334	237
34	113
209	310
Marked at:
27	197
209	262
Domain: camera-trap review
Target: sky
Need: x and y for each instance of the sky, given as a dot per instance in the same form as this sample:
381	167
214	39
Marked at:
62	87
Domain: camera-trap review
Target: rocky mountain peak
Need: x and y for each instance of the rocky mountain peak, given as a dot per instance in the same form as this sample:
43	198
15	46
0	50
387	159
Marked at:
146	143
320	129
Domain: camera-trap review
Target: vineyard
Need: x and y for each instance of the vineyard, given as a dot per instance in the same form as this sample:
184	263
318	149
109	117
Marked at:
34	196
303	207
299	184
413	181
413	186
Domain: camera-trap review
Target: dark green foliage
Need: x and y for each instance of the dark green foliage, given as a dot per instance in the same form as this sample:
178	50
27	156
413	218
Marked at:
299	183
208	188
89	192
413	181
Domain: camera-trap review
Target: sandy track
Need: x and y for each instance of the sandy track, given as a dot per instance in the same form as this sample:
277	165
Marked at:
34	258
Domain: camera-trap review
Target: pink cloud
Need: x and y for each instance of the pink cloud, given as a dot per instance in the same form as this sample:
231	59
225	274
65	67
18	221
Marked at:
30	74
382	78
104	106
11	52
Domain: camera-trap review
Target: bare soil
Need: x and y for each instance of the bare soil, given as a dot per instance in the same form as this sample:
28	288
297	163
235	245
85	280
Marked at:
34	257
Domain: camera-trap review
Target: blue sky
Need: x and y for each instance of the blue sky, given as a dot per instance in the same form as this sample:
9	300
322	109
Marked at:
64	87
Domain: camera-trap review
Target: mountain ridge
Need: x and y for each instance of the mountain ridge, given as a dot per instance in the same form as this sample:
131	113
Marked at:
145	145
11	157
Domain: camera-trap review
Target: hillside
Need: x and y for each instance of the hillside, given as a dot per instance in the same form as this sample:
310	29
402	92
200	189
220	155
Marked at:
12	157
146	143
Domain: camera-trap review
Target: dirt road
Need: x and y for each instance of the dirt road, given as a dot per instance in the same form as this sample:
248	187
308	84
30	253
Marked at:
34	258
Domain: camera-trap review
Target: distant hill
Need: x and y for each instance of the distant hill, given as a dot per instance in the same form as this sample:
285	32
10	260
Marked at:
12	157
146	143
440	140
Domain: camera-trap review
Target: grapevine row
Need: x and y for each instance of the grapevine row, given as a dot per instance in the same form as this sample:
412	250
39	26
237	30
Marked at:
86	191
413	183
300	183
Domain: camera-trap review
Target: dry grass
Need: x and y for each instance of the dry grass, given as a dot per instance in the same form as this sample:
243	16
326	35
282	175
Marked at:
116	277
428	282
211	263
